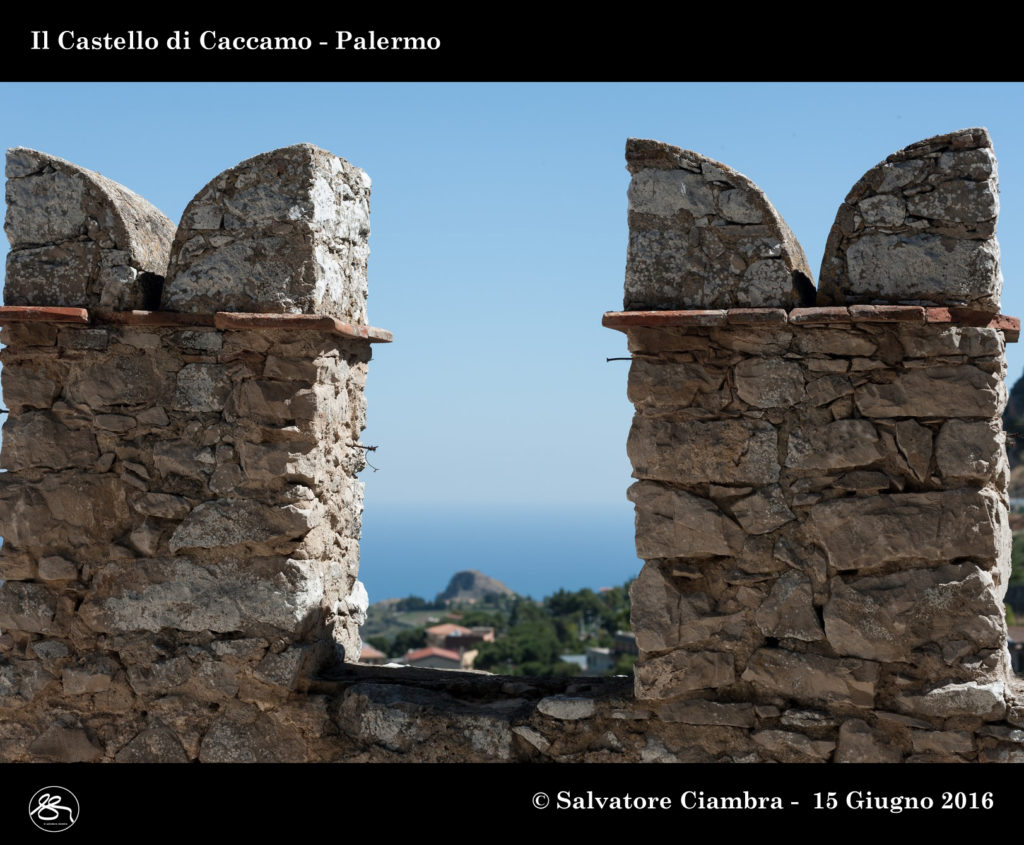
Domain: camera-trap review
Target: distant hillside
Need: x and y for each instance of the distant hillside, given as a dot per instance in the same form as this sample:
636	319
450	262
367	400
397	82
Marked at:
470	586
1013	422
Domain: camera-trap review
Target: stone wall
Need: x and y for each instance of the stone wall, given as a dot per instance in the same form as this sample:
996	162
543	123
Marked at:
821	491
821	488
180	506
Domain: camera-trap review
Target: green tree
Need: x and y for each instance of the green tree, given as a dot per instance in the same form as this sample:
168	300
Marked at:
1017	559
408	641
381	643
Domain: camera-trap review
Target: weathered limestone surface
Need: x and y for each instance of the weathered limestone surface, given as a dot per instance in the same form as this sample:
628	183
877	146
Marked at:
79	239
845	550
821	507
702	235
189	547
821	500
284	232
180	508
920	228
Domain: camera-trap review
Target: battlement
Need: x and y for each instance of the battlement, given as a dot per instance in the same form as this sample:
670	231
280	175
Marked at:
821	478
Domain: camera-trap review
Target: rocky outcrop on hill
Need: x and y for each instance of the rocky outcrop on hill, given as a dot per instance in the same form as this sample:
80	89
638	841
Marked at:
470	585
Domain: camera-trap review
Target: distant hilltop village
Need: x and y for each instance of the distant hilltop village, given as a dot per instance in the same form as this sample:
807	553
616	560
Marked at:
479	624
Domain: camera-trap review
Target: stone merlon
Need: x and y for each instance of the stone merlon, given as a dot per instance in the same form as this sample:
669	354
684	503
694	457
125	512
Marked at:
702	235
920	228
283	232
79	239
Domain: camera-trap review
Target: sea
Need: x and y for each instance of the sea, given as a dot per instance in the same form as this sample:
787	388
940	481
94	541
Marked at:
534	551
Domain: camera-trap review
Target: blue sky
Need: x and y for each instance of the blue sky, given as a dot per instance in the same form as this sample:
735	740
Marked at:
498	235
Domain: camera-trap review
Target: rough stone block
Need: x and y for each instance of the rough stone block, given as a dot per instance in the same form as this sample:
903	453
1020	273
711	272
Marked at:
970	453
283	232
38	439
985	700
27	386
942	742
277	402
162	505
293	461
429	723
27	607
286	668
762	512
813	678
77	238
682	671
701	712
769	382
61	512
840	445
915	445
673	523
704	236
789	610
91	677
721	451
202	387
887	617
919	228
858	743
66	745
866	533
790	747
156	744
245	735
21	681
234	522
663	383
121	380
178	593
941	391
566	707
663	618
56	568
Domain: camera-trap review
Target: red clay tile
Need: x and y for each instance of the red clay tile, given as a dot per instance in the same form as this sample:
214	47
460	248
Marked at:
937	315
662	319
757	317
42	314
971	317
151	318
1009	326
887	313
824	314
299	322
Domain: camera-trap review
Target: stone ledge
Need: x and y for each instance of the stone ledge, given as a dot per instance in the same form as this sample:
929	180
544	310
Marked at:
220	320
308	322
41	314
482	685
669	319
757	317
828	315
887	313
155	319
824	314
